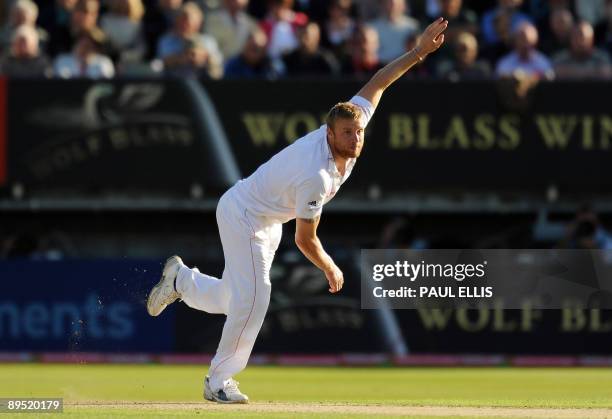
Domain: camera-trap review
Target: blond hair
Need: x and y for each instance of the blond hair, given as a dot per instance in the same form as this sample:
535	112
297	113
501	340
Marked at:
343	110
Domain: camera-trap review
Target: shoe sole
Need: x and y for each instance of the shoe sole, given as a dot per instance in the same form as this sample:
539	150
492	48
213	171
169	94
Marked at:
158	285
229	401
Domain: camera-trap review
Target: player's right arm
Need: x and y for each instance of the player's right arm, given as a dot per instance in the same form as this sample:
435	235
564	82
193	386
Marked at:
429	41
309	244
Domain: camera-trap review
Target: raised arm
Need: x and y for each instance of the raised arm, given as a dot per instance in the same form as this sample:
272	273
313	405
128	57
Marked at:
429	41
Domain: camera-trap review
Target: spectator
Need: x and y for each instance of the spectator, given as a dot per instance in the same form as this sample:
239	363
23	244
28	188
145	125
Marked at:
253	62
23	12
582	60
122	24
460	20
338	28
185	51
466	65
24	59
393	27
525	60
308	59
157	21
85	59
502	25
83	20
231	26
506	10
560	25
362	60
586	231
280	27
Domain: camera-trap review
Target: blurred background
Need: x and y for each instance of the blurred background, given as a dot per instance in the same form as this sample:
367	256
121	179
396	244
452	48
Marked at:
123	121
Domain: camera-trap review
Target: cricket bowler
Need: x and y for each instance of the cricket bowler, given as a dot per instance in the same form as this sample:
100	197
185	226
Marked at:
294	184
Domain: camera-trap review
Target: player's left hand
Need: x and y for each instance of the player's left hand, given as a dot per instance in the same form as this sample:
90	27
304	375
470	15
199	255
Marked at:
432	38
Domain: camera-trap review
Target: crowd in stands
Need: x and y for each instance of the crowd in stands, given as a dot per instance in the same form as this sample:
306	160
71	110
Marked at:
269	39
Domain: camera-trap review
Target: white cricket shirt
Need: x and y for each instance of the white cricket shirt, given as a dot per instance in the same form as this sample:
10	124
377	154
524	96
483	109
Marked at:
297	181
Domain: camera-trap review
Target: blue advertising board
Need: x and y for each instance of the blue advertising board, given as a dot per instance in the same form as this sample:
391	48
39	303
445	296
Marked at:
81	305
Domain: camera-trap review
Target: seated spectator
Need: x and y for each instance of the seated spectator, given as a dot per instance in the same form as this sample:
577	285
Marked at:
308	59
502	25
122	25
23	12
85	59
510	10
159	19
460	20
187	52
231	26
560	25
84	19
525	60
393	27
362	60
338	28
466	65
586	231
24	59
253	62
582	60
280	26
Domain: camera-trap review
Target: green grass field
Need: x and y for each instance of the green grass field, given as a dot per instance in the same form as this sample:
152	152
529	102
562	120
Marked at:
175	391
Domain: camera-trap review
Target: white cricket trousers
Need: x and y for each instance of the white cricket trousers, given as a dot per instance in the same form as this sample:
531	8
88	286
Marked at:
242	293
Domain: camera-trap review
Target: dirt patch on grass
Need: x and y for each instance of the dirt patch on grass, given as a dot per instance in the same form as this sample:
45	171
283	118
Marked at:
323	408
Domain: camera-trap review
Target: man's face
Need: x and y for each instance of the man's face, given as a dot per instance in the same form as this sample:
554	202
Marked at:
450	8
561	22
23	47
187	24
85	18
346	137
310	36
466	52
394	7
526	39
255	48
582	39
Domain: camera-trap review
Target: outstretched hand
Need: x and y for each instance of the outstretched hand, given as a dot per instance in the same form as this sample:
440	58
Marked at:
432	38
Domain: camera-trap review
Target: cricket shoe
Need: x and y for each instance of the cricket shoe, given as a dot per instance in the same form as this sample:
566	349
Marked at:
228	394
164	293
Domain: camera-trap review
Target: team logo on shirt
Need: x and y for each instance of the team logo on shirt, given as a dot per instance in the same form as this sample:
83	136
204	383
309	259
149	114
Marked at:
314	204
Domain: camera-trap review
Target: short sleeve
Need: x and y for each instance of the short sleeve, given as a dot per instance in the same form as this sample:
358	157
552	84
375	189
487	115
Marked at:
366	107
309	198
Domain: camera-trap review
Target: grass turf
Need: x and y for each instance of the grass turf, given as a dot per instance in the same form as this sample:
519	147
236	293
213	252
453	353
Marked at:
510	387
